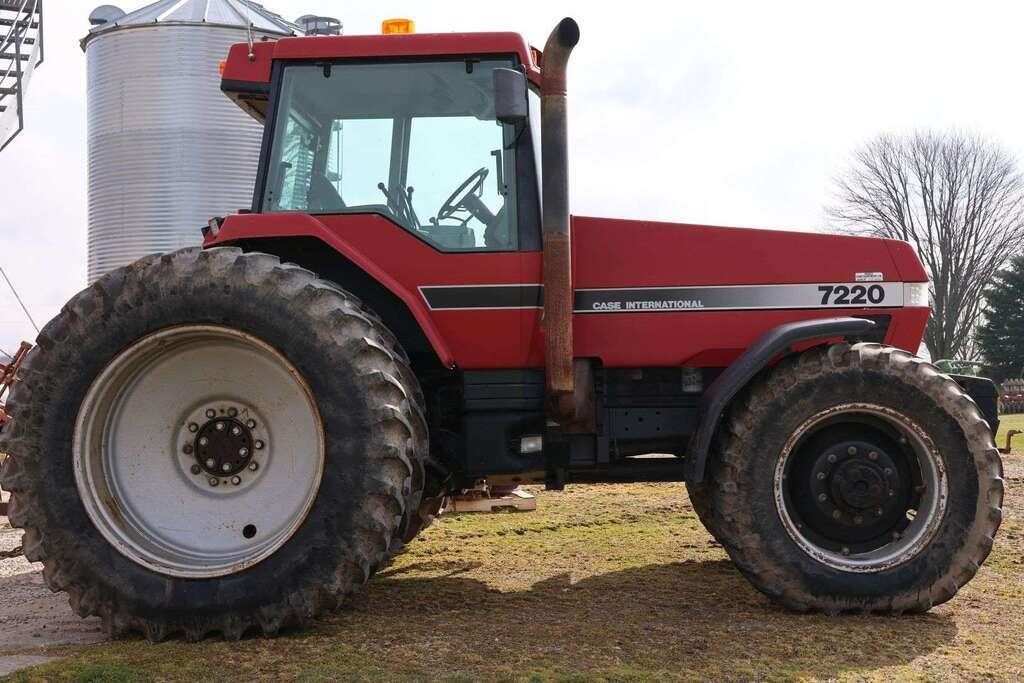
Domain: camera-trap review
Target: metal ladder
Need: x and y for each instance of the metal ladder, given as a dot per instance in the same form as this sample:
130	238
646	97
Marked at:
21	51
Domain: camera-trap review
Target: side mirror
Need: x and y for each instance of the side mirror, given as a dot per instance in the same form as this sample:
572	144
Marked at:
510	100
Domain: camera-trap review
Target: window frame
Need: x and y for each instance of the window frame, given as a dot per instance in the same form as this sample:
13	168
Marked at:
528	213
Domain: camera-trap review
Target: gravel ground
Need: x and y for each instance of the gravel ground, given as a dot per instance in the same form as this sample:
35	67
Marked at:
30	615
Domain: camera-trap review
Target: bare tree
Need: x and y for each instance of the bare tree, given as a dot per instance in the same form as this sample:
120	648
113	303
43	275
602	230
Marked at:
959	199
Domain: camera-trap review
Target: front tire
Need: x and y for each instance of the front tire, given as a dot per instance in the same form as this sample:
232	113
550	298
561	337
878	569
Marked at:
205	366
855	478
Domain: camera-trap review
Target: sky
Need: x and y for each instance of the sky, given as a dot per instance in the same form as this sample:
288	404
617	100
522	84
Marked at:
725	113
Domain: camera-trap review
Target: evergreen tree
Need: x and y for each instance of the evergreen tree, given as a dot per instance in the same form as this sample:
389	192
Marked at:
1001	336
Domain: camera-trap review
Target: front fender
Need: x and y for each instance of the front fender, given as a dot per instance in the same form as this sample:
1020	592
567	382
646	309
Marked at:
771	344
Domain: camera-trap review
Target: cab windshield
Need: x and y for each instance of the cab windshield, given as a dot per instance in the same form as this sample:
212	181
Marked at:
417	142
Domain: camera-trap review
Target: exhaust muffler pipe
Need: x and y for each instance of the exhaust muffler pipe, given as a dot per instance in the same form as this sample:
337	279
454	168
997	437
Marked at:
558	295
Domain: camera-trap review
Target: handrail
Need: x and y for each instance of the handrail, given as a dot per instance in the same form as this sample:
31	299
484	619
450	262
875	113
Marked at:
28	16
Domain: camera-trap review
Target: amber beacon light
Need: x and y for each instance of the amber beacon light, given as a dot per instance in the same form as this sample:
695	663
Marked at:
397	26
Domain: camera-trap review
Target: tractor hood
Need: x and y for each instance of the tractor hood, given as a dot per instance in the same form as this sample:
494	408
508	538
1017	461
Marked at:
626	253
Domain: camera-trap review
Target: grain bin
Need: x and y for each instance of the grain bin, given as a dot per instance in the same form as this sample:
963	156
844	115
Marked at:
167	149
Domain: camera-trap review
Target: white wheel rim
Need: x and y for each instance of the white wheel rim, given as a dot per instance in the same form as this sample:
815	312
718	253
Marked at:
136	444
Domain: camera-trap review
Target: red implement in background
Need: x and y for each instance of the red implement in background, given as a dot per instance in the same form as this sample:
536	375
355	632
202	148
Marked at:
8	376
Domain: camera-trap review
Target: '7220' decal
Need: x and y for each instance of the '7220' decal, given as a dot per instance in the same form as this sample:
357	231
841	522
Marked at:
853	295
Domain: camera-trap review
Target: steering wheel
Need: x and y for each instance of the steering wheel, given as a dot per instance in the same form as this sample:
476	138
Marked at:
470	187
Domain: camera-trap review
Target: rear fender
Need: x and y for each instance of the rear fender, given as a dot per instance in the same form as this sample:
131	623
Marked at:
240	228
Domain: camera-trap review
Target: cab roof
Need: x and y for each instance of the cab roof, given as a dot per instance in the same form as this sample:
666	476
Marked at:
246	80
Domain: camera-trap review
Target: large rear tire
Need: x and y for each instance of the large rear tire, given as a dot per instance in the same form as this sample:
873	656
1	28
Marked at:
213	442
857	478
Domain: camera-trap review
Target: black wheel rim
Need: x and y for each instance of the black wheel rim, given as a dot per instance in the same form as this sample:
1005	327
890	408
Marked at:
860	487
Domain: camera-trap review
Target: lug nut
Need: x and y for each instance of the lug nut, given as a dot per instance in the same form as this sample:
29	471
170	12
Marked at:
253	466
232	412
888	471
872	455
236	480
896	535
187	449
852	450
258	444
846	550
836	514
219	426
250	423
822	497
236	430
211	413
214	481
878	512
832	457
195	469
226	467
203	441
243	451
193	427
210	462
858	519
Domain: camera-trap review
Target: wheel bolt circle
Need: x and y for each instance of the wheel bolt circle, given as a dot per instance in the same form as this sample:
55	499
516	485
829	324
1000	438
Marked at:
210	462
236	430
219	426
243	451
203	441
226	467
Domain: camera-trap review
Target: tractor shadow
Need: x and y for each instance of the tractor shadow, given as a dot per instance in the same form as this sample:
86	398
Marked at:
693	618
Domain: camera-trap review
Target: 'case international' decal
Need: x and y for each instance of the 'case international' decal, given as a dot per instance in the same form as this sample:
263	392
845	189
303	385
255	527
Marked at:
671	299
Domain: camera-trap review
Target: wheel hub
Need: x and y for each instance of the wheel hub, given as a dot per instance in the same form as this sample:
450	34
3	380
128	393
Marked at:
857	480
223	446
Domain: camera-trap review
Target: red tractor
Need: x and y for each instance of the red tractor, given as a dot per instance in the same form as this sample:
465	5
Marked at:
233	438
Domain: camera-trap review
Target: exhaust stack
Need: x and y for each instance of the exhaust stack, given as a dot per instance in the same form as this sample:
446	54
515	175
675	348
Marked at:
558	295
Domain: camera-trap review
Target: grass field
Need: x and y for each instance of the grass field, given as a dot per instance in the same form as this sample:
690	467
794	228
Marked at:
615	582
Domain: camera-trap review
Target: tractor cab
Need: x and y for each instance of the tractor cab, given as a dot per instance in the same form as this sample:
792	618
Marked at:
438	143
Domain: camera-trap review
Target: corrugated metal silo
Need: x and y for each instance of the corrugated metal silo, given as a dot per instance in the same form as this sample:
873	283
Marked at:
167	150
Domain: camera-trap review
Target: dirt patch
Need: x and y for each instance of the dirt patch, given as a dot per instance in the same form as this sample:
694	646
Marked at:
31	617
